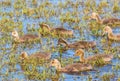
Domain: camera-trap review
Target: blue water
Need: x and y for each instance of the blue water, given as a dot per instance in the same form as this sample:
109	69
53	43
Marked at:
27	22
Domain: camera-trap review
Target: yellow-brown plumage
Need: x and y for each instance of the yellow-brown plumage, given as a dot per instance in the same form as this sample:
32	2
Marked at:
24	38
104	21
105	57
111	35
59	31
71	68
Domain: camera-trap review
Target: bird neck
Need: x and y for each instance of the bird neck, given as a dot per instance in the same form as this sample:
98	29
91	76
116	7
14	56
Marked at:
111	35
25	56
82	59
59	68
17	38
47	27
99	20
63	42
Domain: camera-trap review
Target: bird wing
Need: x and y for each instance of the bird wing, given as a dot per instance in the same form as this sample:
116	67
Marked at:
98	56
80	44
110	20
42	55
59	29
77	67
29	36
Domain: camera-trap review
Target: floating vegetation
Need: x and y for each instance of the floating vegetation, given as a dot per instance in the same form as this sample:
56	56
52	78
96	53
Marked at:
116	7
6	3
7	25
73	17
100	62
107	77
103	4
117	67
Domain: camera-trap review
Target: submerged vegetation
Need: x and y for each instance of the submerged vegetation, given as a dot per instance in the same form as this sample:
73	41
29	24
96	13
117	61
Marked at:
25	16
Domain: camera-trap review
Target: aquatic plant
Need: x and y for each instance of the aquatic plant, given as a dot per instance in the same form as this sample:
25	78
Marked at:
25	17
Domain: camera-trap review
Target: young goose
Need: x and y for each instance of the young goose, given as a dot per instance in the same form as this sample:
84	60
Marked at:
78	44
55	31
104	21
24	38
105	57
39	55
71	68
111	35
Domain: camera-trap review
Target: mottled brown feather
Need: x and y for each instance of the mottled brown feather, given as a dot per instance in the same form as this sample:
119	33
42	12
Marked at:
90	59
29	36
99	56
77	45
59	31
71	68
110	20
41	55
79	66
96	16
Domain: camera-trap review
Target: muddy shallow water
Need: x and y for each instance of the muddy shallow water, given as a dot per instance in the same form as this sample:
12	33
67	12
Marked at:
25	17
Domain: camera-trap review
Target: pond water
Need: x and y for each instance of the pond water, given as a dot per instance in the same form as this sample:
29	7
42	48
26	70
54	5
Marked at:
25	17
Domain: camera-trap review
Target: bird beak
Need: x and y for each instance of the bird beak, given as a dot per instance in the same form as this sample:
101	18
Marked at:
90	18
75	54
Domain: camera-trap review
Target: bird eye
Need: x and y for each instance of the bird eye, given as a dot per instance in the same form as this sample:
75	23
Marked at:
52	62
